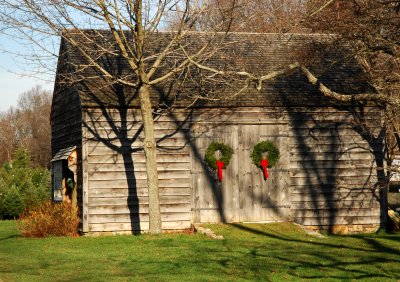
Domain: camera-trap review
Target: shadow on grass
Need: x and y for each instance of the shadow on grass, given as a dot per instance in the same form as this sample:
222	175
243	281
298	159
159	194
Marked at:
356	267
344	258
9	237
375	245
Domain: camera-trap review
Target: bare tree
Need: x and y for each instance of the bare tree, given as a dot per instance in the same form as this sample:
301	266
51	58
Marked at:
8	140
370	31
367	28
132	25
252	16
33	114
28	126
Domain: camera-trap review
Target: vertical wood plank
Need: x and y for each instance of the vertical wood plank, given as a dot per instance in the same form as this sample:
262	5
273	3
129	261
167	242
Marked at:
284	181
264	184
246	183
256	185
196	178
235	175
201	182
276	172
85	175
241	172
227	180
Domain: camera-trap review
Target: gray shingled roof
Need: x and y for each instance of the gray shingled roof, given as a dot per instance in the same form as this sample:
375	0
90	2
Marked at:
252	52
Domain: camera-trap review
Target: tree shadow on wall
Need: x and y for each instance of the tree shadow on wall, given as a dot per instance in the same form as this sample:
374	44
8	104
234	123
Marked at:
330	157
109	124
338	152
212	182
210	185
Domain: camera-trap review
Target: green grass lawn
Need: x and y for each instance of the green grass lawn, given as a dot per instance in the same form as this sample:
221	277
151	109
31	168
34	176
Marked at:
270	252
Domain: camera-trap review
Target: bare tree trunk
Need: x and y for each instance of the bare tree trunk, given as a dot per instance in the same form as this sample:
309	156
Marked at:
151	161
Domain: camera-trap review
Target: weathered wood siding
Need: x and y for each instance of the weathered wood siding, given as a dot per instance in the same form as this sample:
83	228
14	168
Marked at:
334	156
326	174
66	130
66	121
117	186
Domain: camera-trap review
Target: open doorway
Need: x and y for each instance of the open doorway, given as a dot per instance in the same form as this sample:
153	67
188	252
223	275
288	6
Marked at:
63	168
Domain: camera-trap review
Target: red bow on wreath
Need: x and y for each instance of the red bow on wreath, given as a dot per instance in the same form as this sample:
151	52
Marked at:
220	165
264	165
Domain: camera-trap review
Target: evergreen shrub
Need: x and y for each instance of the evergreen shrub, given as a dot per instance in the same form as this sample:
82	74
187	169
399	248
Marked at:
21	186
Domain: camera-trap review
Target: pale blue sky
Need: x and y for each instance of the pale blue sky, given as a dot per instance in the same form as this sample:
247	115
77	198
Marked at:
16	76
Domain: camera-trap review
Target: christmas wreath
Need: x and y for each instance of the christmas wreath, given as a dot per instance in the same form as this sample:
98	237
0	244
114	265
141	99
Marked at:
273	155
212	161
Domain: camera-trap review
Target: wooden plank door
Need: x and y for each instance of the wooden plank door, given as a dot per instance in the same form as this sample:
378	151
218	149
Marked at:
213	201
243	194
260	199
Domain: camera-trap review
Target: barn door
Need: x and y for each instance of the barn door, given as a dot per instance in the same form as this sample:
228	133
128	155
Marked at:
259	199
243	195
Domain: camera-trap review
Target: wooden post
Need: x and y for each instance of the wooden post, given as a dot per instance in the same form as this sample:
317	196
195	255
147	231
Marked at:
73	166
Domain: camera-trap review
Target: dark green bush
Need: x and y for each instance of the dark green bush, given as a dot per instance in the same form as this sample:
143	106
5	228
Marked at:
11	203
21	186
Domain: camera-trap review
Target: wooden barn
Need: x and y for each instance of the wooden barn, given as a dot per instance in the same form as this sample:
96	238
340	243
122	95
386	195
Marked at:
328	176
